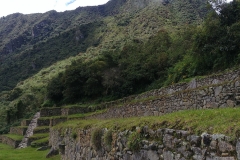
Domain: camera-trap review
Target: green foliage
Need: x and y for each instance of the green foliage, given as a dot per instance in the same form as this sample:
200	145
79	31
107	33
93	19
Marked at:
74	135
40	142
108	138
134	141
96	138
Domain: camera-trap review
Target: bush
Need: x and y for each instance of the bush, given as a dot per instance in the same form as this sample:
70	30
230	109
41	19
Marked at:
96	138
108	138
134	141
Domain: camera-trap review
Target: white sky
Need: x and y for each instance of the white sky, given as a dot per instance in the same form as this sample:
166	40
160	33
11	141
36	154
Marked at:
40	6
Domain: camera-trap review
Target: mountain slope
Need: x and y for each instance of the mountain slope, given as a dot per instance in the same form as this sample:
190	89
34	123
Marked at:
31	42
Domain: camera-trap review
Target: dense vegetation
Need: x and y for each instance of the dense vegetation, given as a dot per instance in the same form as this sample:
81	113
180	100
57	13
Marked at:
30	43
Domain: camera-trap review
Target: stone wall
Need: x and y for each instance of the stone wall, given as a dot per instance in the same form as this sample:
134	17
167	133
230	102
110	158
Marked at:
25	122
213	96
161	144
18	130
179	87
195	83
9	141
48	112
75	110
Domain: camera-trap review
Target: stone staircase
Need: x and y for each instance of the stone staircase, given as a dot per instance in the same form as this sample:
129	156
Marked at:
29	131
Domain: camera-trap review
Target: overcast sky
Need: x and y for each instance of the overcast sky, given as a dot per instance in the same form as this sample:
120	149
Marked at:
40	6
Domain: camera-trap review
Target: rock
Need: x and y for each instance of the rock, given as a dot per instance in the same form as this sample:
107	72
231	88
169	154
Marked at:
168	155
192	84
231	103
219	158
206	139
194	140
219	137
152	155
238	149
213	145
168	141
225	147
217	90
211	105
197	157
182	134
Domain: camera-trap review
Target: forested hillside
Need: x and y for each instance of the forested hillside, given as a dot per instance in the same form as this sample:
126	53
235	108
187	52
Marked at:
107	52
32	42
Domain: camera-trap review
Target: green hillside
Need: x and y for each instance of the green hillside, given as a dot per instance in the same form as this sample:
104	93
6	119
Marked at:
32	42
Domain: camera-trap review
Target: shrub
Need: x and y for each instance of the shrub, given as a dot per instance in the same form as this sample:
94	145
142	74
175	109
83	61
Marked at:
96	138
134	141
74	135
108	138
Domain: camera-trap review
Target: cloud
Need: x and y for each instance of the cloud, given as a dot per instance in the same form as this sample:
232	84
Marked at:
40	6
70	2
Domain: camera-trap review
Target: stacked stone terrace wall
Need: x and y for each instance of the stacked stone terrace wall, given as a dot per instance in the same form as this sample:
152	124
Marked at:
169	144
216	95
195	83
18	130
9	141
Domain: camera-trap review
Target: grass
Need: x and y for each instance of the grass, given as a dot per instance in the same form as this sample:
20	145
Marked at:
39	136
225	121
41	128
40	142
7	153
14	136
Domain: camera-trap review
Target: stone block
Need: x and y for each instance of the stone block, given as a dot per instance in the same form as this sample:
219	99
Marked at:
231	103
225	147
168	155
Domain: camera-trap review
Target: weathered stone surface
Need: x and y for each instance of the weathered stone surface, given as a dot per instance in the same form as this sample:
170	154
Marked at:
168	155
33	124
225	147
194	140
168	146
231	103
238	148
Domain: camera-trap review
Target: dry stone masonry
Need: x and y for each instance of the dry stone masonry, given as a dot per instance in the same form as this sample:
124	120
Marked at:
218	94
161	144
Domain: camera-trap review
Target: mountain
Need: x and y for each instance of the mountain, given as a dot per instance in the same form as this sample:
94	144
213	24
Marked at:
32	42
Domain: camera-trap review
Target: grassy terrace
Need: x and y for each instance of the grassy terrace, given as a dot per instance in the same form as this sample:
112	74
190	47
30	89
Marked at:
225	121
7	153
14	136
39	136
